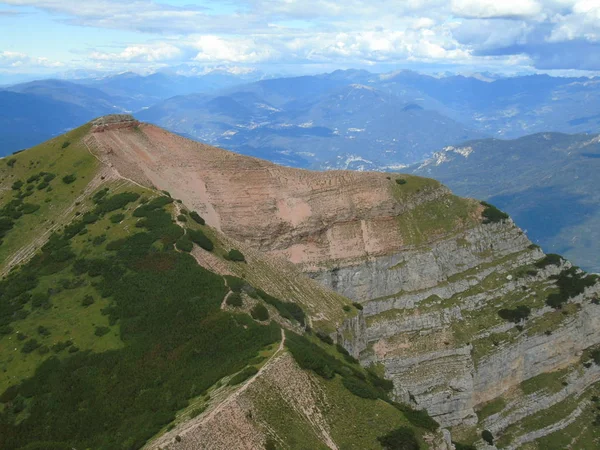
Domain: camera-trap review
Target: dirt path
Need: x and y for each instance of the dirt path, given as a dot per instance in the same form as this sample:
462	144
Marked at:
237	393
165	440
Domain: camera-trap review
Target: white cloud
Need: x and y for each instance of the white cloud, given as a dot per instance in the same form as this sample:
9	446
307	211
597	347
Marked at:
582	23
213	49
320	32
19	60
496	8
160	52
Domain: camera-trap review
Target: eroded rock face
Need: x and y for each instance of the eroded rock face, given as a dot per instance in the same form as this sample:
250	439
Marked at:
430	276
419	307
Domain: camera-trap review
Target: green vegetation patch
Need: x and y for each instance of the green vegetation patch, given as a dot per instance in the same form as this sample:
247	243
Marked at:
491	214
177	342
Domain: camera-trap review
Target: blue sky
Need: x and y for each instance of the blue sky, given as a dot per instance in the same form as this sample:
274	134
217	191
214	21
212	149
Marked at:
299	36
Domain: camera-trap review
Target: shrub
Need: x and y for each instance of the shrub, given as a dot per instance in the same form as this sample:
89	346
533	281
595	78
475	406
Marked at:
242	376
5	329
234	299
288	310
43	331
39	300
346	308
551	259
29	208
99	240
42	185
65	144
60	346
30	346
417	417
114	202
48	177
402	438
491	214
357	306
17	185
487	436
89	218
101	331
459	446
360	388
194	215
117	218
184	244
324	337
235	255
197	411
259	312
87	301
270	444
200	239
401	181
11	162
182	218
515	315
571	283
68	179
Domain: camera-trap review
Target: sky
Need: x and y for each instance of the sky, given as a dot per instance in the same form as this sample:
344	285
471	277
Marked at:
75	38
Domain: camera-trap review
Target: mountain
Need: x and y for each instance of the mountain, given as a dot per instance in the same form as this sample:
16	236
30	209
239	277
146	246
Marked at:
28	119
311	122
162	293
546	181
142	91
93	100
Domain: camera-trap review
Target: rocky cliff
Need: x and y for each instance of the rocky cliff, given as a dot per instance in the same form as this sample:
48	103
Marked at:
430	273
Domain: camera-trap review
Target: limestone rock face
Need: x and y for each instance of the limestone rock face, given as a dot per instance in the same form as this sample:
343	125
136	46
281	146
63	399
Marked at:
419	305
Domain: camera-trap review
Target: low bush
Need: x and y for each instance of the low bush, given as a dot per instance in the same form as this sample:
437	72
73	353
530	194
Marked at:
87	301
234	299
117	218
491	214
68	179
114	202
551	259
182	218
288	310
243	375
324	337
197	411
259	312
417	417
402	438
197	218
200	239
43	331
487	436
459	446
360	388
184	244
571	283
101	331
400	181
347	308
235	255
358	306
30	346
515	315
65	144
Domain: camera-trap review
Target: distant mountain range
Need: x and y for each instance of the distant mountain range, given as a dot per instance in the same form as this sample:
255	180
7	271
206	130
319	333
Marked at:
547	182
345	119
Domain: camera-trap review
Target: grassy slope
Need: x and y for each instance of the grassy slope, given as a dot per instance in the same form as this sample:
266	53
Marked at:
53	158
